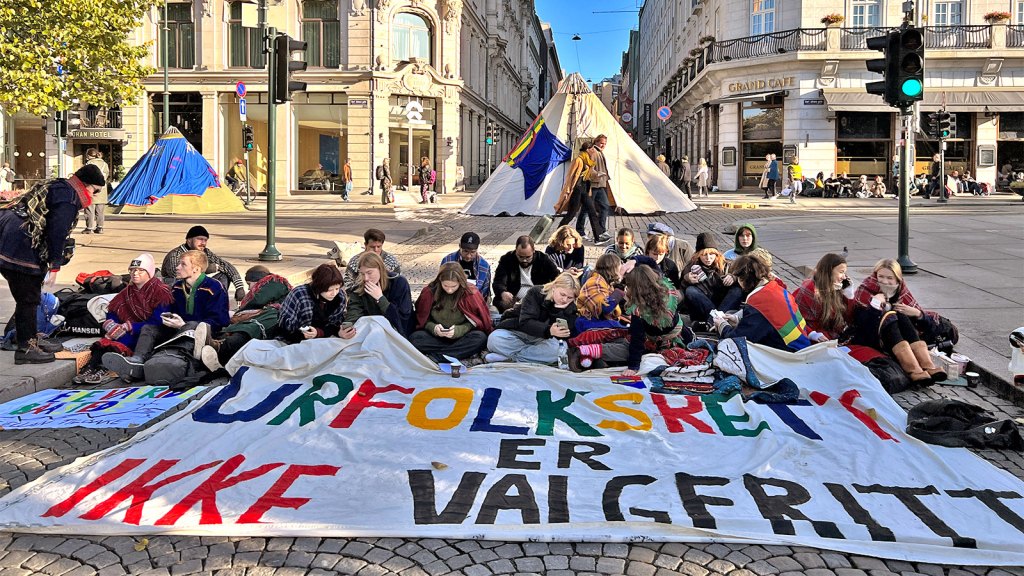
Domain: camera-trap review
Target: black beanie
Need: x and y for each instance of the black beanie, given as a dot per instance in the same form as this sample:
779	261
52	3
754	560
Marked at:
197	231
706	240
91	174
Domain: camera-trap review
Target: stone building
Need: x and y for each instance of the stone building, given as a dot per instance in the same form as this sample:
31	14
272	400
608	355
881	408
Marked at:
779	80
464	62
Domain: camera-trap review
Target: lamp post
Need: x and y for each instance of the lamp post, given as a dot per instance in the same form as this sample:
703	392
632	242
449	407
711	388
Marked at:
163	57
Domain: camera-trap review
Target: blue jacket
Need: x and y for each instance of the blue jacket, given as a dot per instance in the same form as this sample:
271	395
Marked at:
773	170
16	252
211	303
483	273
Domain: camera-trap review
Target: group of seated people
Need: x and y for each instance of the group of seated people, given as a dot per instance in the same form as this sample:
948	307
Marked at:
549	307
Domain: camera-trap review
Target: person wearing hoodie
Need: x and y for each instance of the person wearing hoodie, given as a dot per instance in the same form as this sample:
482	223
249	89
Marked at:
745	242
706	286
451	317
625	246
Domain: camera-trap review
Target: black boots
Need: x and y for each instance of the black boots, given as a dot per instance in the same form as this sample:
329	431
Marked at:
32	354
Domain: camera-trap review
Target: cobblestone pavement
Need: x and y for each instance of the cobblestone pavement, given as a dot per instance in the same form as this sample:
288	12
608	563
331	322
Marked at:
25	455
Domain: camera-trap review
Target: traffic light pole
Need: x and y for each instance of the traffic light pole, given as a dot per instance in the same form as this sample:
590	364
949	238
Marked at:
943	198
907	155
270	252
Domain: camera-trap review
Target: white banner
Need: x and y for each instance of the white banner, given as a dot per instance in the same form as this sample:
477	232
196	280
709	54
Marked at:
367	438
103	408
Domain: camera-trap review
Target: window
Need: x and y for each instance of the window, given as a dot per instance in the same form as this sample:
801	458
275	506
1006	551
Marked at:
1020	12
948	12
245	49
762	17
863	143
181	35
866	13
410	38
321	30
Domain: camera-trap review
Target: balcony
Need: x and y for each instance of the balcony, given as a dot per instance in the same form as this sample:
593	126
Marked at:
857	38
935	37
771	44
1015	36
101	118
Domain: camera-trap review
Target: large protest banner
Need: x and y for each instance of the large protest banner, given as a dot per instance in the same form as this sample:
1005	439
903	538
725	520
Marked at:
100	408
367	438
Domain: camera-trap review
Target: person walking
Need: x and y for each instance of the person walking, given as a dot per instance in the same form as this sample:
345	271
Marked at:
94	212
663	166
346	180
33	235
575	198
773	176
796	179
684	170
6	177
934	178
702	177
387	193
425	172
600	187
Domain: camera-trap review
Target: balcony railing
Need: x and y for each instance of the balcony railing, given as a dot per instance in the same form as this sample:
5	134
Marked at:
857	38
1015	36
974	36
101	118
771	44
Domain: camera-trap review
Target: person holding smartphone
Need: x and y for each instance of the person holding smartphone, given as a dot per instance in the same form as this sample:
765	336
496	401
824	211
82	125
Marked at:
316	309
375	293
451	317
537	328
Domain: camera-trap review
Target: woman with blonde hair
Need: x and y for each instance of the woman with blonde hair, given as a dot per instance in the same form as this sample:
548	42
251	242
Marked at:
657	248
575	199
662	165
565	248
451	317
374	293
702	178
537	328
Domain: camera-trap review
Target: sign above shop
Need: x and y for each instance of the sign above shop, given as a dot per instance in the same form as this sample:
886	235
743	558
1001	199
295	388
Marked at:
763	84
627	117
97	134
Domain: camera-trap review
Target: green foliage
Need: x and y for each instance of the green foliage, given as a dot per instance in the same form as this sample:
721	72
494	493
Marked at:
92	39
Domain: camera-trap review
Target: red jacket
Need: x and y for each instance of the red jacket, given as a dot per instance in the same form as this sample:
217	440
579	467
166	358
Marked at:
471	304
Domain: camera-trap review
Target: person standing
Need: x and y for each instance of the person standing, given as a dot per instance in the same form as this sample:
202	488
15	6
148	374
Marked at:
796	179
32	239
663	166
600	187
346	179
773	175
686	177
386	184
425	171
702	177
934	178
575	198
94	212
6	177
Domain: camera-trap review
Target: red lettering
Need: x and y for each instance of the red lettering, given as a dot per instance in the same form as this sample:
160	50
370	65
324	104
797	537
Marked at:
63	507
673	416
139	491
361	400
819	398
96	406
274	497
847	400
45	408
206	493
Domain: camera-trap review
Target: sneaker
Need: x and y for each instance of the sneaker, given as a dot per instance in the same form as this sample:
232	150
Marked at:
87	231
49	345
493	357
604	237
201	337
209	358
96	377
98	231
473	361
32	354
127	367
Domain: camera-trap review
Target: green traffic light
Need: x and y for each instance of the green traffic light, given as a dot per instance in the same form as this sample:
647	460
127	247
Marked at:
912	87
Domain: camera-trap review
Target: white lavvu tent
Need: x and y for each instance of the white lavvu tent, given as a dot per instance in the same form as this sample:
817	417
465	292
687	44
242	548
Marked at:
574	113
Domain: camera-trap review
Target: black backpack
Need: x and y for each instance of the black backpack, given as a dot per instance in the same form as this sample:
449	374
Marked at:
380	172
78	320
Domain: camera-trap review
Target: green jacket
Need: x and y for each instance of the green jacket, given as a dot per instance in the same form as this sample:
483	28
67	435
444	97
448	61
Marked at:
267	300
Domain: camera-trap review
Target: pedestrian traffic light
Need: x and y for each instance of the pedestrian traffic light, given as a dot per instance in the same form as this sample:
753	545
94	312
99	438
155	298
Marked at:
908	66
284	45
247	138
946	125
489	137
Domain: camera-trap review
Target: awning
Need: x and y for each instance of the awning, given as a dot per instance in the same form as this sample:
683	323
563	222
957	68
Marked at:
757	97
956	101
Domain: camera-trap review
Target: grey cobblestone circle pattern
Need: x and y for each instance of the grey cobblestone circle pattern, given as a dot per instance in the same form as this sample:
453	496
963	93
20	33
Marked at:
27	454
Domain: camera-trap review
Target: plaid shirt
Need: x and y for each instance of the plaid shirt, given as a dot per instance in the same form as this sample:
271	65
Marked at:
170	264
595	299
483	273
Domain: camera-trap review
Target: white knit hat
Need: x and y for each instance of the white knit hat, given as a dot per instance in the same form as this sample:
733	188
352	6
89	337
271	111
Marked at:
144	261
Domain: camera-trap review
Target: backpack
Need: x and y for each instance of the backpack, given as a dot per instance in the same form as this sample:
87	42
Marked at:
100	282
172	365
433	177
78	320
9	176
380	172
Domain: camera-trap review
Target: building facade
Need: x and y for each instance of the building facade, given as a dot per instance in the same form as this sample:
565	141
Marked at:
780	81
461	63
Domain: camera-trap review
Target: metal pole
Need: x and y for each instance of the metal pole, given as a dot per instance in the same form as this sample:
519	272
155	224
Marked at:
270	252
61	122
943	198
248	182
163	56
906	173
408	156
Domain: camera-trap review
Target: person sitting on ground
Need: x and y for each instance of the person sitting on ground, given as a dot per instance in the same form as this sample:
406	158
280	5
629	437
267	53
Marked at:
472	263
832	186
706	286
565	248
861	188
256	318
969	184
826	299
142	302
657	249
624	247
745	242
200	307
654	325
375	293
315	309
536	331
601	294
888	318
769	316
518	271
451	317
878	188
373	241
219	269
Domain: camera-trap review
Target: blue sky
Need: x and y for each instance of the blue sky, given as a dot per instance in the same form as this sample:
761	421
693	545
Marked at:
604	36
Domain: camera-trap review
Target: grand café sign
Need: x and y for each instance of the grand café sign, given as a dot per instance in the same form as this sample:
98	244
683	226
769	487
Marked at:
755	85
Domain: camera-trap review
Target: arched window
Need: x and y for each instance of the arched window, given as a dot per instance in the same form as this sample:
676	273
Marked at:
321	29
410	38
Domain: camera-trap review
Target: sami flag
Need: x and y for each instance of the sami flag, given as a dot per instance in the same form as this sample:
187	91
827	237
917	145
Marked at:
537	154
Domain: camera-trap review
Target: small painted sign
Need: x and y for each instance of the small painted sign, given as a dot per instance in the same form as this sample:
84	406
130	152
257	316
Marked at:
360	102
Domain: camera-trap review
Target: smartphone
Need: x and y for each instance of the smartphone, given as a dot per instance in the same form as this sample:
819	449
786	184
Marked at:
346	325
167	315
563	323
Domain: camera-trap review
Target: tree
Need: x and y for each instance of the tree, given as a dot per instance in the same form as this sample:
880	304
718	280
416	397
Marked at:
55	51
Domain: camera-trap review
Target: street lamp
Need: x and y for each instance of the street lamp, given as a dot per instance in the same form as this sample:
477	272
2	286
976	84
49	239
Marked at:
163	56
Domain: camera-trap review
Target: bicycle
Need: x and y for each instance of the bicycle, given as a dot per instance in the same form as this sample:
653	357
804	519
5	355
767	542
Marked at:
243	189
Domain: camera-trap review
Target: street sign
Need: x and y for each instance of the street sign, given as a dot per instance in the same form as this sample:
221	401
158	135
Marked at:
647	119
240	89
241	109
358	102
664	113
627	117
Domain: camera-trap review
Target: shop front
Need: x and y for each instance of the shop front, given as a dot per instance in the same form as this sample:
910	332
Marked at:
411	122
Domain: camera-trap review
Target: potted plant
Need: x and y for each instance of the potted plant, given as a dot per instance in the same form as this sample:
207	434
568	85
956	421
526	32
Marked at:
117	175
696	52
997	17
707	39
832	19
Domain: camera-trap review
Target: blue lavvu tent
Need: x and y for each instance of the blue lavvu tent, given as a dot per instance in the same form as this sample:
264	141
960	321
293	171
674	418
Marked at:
171	167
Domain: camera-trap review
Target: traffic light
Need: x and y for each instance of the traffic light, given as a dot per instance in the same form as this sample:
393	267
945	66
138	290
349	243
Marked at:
933	125
73	119
284	66
908	67
946	125
884	44
489	137
60	123
247	138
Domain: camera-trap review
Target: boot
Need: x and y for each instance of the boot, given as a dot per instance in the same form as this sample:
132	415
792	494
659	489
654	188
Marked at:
905	356
31	354
924	358
48	345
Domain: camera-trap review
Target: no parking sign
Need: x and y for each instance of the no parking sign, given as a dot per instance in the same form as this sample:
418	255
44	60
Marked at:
664	113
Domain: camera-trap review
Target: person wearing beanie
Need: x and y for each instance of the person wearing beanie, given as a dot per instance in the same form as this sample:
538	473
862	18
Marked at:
139	304
473	264
94	213
706	240
219	268
32	241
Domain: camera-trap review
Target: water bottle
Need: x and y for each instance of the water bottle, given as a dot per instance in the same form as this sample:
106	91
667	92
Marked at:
563	355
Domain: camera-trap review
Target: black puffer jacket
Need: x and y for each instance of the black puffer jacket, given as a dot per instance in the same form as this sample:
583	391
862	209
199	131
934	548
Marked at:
535	315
